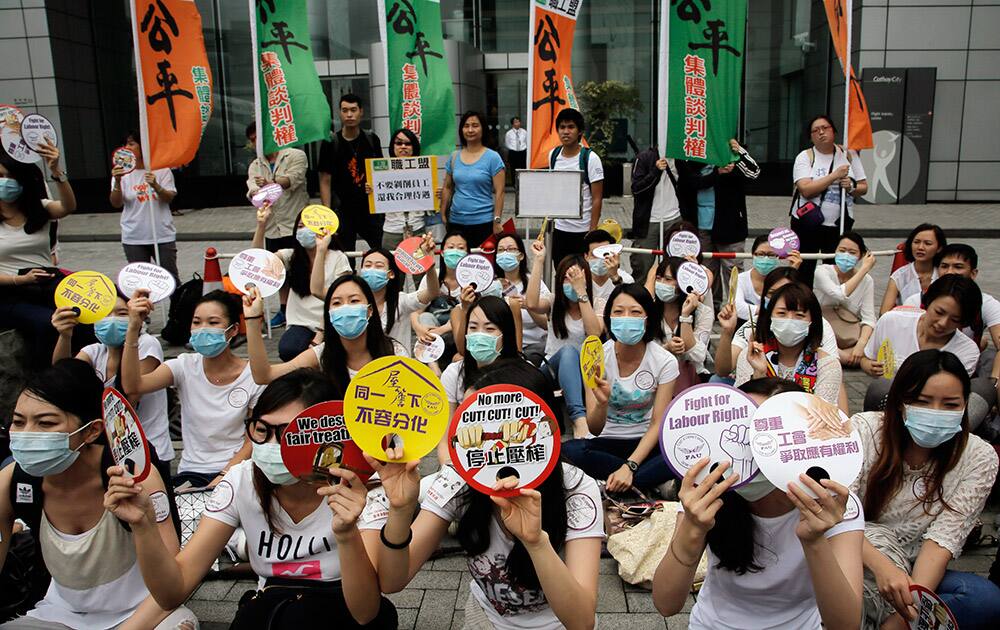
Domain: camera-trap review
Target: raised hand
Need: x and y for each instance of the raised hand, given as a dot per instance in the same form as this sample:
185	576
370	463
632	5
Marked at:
64	320
346	499
400	480
125	499
817	516
253	304
139	307
521	514
702	501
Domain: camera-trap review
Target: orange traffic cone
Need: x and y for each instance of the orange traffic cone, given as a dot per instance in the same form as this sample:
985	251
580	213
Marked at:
212	279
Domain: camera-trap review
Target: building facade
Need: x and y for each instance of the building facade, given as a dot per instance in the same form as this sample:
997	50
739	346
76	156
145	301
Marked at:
71	60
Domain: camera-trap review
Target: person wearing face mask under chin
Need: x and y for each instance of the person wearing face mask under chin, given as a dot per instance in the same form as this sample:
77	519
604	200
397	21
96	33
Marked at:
215	387
923	483
56	486
787	344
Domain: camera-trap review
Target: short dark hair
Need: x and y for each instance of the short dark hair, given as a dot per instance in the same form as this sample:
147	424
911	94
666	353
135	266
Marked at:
958	250
757	242
855	238
826	117
514	118
354	99
571	115
251	129
798	296
597	236
779	273
465	118
70	385
641	295
923	227
132	134
963	290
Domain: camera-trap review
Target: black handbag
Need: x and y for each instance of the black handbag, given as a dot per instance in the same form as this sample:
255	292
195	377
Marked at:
288	604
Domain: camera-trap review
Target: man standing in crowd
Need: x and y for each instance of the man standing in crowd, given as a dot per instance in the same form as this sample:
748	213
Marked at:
287	168
342	176
568	234
516	141
654	210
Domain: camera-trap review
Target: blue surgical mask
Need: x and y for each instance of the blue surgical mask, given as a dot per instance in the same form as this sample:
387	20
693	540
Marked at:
928	427
758	488
305	237
764	264
628	330
350	321
452	256
267	457
376	278
43	453
494	290
845	262
10	189
598	267
789	332
483	347
111	331
570	292
508	261
666	292
209	342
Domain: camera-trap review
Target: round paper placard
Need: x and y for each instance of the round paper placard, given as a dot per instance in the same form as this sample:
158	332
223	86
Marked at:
396	401
35	129
783	241
592	360
124	159
692	278
129	447
317	440
411	257
932	613
887	358
10	116
429	352
16	147
259	268
710	421
608	250
683	244
92	293
503	431
143	275
268	193
320	219
795	433
476	271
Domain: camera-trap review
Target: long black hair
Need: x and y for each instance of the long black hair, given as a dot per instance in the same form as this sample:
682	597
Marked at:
443	268
33	191
392	288
498	312
333	361
474	525
304	385
672	264
560	303
300	267
522	267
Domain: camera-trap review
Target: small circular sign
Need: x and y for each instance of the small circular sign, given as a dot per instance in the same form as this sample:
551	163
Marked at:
38	131
503	431
411	257
129	447
683	244
143	275
268	193
932	612
91	293
783	241
608	250
317	440
428	352
476	271
692	278
257	268
320	219
124	159
238	398
16	147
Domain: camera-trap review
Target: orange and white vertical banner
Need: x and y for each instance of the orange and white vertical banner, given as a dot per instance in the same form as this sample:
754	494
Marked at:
174	80
857	124
550	73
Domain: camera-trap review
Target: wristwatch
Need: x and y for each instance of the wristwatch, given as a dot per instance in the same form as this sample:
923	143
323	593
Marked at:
631	465
497	219
62	178
583	297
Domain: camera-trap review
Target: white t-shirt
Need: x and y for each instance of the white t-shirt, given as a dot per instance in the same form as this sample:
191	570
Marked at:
746	297
899	327
396	222
141	203
595	170
666	208
20	250
402	330
531	332
307	310
152	407
212	416
630	407
305	550
779	596
821	167
990	313
575	334
830	292
603	292
908	283
506	605
451	379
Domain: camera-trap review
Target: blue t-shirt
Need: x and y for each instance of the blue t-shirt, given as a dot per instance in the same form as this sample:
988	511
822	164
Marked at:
472	202
706	203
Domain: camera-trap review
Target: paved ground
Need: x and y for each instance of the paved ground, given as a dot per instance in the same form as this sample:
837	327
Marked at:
436	597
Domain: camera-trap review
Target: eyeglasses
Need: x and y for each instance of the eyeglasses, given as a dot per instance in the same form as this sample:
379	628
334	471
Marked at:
402	143
821	128
509	250
260	432
766	254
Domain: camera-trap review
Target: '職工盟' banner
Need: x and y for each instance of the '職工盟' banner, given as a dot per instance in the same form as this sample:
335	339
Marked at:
291	107
174	80
701	71
550	74
418	80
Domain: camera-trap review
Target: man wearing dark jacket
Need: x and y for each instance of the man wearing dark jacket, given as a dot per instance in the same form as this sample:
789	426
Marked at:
713	198
654	208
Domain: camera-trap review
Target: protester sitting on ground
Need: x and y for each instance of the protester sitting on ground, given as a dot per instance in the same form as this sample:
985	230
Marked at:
534	557
777	557
751	282
572	320
604	271
328	575
625	409
303	311
846	292
923	484
913	278
56	486
215	387
28	276
787	344
435	319
512	269
353	335
685	323
475	176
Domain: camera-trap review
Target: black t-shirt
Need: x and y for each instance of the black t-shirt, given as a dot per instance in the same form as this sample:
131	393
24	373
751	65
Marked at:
344	160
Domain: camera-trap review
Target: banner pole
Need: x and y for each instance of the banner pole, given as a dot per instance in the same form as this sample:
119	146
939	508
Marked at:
255	68
847	111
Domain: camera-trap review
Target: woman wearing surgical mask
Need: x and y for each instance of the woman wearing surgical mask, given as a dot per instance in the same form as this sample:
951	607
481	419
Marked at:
105	357
59	475
777	558
303	310
787	344
512	269
215	387
846	292
750	285
923	484
435	319
626	407
329	574
686	322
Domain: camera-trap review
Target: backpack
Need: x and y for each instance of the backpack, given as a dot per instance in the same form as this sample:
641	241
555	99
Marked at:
177	331
584	161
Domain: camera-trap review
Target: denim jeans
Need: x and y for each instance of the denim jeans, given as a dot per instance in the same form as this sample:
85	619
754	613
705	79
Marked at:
974	600
294	341
566	366
599	457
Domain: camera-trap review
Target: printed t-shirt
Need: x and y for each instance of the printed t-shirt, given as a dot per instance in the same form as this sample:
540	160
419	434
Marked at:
630	407
142	203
